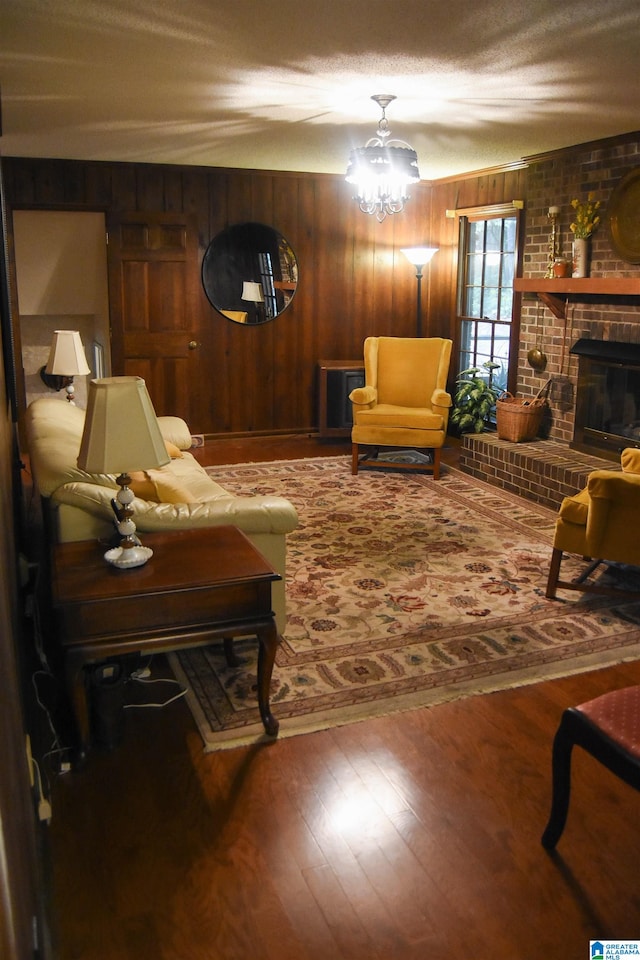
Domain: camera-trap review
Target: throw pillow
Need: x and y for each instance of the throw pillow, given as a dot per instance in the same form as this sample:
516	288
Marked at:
174	452
168	489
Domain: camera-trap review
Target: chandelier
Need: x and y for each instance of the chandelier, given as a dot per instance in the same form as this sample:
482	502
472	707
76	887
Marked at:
383	169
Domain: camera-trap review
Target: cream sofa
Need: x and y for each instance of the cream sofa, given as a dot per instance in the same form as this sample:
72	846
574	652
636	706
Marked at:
179	496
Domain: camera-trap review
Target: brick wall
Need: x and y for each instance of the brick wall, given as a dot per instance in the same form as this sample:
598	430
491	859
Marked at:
554	181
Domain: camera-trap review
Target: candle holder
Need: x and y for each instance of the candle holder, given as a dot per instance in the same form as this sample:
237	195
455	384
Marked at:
554	252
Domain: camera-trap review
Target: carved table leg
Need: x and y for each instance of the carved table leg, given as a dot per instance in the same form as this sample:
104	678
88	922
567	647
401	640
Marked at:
76	687
229	653
269	640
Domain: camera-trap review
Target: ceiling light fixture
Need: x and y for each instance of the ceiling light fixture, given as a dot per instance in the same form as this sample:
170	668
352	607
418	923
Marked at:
383	169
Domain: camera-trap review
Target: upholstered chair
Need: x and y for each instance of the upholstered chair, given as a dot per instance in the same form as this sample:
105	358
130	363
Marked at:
600	524
609	729
404	402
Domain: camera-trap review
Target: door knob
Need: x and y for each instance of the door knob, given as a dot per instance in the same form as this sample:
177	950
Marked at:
193	344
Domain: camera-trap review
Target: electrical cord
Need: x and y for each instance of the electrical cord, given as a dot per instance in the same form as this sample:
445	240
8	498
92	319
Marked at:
144	706
44	806
33	613
143	672
56	747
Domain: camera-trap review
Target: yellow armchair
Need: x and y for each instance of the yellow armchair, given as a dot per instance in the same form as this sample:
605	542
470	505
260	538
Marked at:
600	524
404	402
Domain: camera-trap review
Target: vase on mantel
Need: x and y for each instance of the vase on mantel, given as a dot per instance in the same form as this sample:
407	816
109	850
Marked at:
581	252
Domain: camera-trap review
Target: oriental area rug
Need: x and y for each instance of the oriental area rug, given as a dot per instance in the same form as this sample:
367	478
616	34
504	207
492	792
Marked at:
403	592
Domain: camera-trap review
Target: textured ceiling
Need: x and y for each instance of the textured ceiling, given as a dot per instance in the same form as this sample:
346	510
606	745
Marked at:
286	85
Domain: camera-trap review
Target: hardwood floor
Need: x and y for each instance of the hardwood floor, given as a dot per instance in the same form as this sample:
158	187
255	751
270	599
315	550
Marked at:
412	836
261	449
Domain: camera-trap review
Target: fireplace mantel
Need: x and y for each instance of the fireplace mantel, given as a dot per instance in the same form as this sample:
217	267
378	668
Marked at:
552	290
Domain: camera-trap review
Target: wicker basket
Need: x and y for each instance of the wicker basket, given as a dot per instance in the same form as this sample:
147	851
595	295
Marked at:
519	419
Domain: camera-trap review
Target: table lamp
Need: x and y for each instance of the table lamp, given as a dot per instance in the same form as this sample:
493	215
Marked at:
66	360
121	434
252	292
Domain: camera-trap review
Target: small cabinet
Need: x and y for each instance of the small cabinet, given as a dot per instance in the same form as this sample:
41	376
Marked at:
336	380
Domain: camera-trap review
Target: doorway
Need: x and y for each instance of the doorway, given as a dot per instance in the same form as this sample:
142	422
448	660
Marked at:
61	274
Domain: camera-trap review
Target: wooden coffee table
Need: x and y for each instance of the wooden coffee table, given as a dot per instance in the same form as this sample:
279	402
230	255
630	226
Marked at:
199	585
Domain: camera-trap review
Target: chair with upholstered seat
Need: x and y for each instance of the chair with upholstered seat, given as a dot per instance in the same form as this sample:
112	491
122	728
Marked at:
609	729
600	524
404	402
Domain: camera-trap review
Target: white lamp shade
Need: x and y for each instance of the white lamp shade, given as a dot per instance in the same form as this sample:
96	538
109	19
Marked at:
66	356
418	256
252	291
121	430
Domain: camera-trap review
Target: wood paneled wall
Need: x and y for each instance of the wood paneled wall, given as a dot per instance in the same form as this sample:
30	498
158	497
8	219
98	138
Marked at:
354	279
22	901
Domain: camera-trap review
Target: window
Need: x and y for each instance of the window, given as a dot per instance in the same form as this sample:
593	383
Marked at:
486	329
266	282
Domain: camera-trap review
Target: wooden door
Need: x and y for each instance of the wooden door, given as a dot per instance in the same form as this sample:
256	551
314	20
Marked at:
154	307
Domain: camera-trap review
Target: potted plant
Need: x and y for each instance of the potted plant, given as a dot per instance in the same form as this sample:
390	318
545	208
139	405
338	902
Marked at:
475	398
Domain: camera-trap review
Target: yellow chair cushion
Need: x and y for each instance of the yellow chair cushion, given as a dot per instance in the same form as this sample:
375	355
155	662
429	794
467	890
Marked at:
390	415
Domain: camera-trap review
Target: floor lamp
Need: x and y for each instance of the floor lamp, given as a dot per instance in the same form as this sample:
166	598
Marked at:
419	257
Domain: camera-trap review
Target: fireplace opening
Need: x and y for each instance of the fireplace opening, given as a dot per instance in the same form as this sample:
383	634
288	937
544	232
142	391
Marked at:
607	397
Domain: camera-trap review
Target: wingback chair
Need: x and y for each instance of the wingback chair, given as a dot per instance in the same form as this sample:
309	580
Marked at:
404	402
600	524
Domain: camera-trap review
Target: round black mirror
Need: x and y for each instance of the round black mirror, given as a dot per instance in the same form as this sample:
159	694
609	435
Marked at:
249	273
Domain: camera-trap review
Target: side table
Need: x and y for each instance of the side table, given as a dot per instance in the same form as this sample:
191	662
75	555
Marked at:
199	585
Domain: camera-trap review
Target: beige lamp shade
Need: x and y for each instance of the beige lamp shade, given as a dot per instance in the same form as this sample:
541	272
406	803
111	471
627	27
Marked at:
121	431
252	291
66	356
419	256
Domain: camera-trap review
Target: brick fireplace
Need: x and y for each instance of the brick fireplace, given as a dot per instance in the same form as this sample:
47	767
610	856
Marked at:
607	409
558	314
545	471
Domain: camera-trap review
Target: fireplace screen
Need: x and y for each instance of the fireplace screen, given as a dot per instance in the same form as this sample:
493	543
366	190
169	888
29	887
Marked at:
608	397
